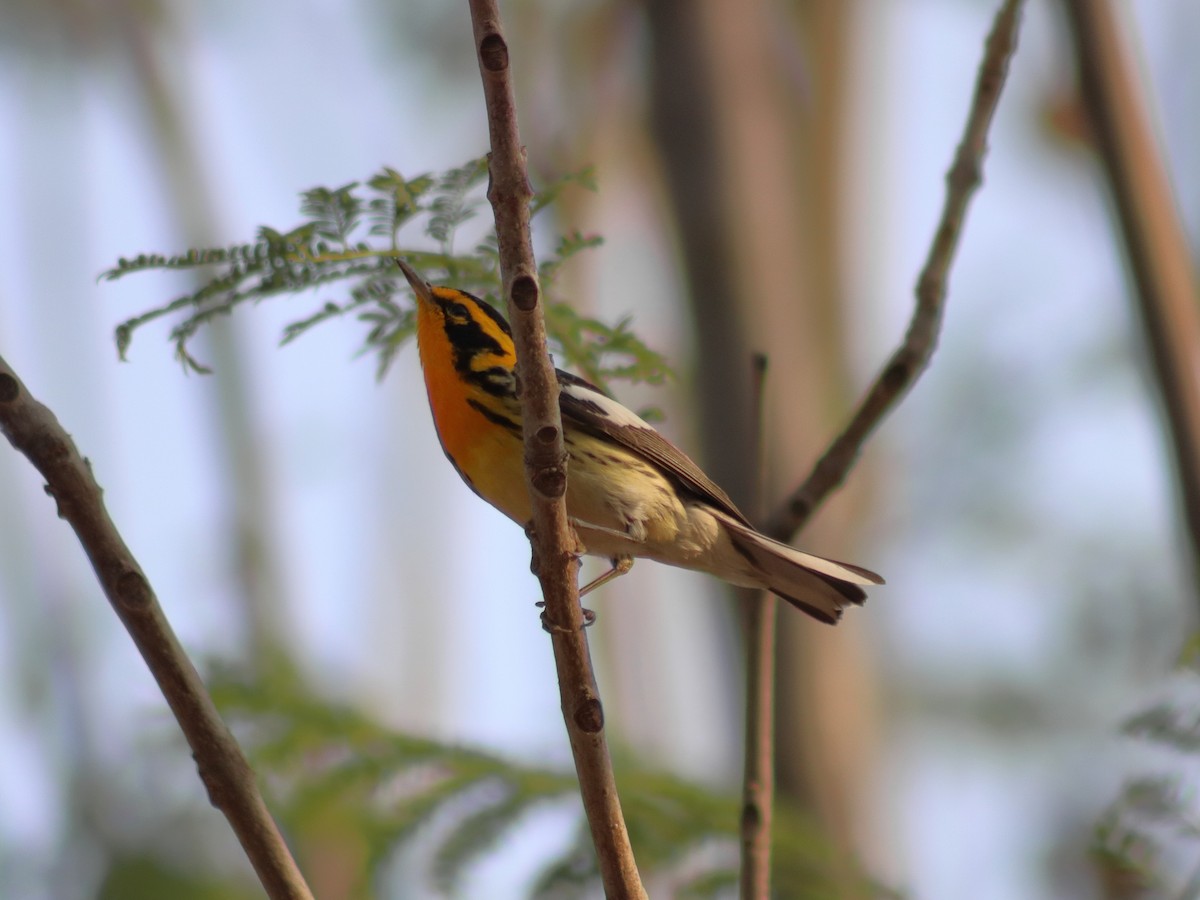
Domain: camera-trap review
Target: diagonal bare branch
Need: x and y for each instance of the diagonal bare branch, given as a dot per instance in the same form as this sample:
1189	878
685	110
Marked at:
914	353
35	431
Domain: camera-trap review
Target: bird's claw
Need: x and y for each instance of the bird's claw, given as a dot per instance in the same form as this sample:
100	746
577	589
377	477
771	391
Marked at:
589	618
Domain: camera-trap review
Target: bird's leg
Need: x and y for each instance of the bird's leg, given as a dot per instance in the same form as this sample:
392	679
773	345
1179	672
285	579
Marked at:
579	523
535	566
620	565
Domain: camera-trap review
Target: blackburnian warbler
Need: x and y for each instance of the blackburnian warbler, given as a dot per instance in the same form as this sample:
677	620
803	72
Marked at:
630	491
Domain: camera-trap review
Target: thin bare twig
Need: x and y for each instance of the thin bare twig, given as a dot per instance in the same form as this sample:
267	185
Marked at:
546	464
1156	245
758	768
35	431
914	353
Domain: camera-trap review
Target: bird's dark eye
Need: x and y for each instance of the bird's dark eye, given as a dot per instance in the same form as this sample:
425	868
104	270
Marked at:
456	311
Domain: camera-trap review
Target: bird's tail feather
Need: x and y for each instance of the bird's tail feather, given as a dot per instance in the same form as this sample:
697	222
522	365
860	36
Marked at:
818	586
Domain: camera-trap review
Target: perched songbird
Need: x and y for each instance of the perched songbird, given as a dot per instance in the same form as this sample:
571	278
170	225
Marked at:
630	491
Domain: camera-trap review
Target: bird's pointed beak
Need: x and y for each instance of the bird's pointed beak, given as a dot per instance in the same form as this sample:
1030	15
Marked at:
419	285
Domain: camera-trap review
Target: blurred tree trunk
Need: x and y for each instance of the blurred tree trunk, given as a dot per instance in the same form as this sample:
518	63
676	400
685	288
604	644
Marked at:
1155	241
237	440
748	110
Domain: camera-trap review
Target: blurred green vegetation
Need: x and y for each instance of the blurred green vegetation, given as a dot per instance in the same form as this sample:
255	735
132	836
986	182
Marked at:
330	768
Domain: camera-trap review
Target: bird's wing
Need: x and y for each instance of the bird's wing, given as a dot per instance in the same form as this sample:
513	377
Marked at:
590	409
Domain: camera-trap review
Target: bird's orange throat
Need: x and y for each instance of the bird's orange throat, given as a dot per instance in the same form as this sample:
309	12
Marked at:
452	416
489	458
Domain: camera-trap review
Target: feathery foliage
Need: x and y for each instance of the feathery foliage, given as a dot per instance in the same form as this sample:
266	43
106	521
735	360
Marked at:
325	762
347	244
1155	820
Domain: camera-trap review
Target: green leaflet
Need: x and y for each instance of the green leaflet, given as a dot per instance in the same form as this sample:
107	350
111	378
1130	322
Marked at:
345	247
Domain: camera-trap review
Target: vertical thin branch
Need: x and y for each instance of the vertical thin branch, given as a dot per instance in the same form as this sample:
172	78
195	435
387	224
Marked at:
1156	245
554	559
905	366
758	772
34	430
916	350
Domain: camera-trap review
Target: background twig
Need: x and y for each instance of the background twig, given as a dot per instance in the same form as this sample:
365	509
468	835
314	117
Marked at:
1156	245
546	464
758	770
914	353
35	431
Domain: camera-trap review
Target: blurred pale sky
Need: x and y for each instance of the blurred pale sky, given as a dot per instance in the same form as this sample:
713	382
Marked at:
1026	523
